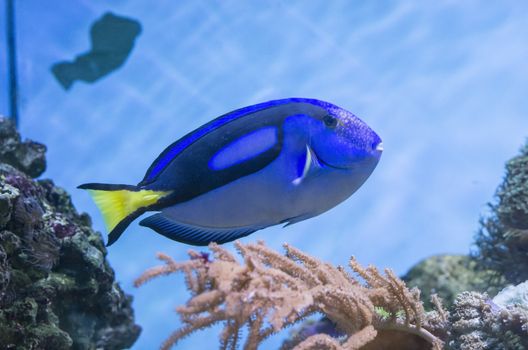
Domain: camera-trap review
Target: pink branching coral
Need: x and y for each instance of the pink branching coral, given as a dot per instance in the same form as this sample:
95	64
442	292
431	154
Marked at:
270	291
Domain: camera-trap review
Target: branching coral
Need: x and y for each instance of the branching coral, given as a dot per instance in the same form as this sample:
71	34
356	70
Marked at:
270	291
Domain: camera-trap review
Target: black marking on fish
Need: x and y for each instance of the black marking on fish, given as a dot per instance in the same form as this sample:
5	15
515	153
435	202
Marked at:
188	174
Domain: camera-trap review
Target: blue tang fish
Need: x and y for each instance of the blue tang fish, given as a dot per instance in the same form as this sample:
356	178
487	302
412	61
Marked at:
278	162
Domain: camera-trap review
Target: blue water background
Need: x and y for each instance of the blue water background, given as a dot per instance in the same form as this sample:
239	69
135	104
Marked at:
443	82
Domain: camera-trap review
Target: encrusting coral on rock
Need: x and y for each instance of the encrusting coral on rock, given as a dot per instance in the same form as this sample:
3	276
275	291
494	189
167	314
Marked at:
270	291
28	156
57	290
447	276
479	323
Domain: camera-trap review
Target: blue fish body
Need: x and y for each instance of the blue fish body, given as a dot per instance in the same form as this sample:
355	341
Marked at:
281	161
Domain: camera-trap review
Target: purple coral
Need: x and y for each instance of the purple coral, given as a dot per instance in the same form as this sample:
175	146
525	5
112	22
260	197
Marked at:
203	256
62	230
28	214
25	185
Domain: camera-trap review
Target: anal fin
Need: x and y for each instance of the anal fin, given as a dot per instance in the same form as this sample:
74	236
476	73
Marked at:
194	235
296	219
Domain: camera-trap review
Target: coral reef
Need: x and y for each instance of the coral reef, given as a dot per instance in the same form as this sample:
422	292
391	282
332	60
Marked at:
478	323
365	310
502	242
447	276
28	157
57	290
270	291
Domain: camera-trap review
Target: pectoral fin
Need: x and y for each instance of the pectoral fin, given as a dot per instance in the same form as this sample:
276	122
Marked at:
311	166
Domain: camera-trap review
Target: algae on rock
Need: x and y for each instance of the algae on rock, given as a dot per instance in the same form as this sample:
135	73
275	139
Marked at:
447	276
502	242
57	290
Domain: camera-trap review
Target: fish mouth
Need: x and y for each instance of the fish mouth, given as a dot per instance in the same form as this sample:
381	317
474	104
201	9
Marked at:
325	164
333	166
337	167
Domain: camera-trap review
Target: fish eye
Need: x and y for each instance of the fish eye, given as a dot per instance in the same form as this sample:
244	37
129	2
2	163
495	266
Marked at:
330	121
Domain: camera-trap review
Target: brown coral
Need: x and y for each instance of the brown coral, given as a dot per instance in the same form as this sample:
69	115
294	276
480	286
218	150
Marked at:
271	291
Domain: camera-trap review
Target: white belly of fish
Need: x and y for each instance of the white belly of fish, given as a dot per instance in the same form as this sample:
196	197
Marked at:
268	197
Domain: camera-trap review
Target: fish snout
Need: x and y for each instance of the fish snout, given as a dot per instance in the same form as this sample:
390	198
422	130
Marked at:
376	146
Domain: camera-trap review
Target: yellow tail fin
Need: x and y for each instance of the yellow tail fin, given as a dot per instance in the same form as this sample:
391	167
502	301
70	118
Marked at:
116	205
